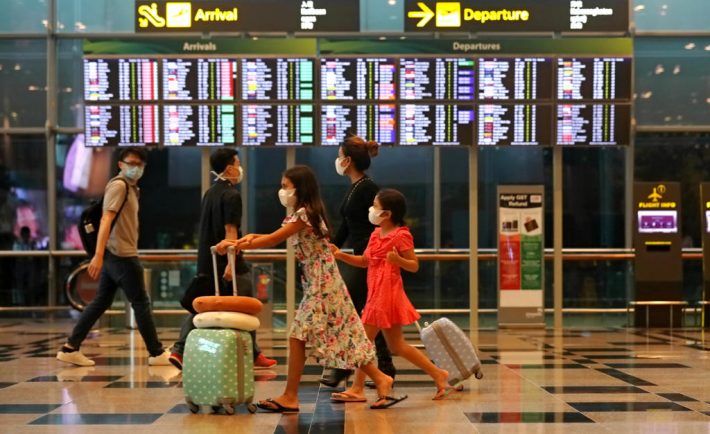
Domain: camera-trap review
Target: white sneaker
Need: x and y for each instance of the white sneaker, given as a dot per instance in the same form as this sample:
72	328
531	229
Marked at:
75	357
161	360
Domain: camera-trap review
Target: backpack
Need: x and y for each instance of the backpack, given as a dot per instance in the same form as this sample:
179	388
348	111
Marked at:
90	221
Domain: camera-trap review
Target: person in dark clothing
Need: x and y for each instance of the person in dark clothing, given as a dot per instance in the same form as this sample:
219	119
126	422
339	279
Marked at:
354	158
220	219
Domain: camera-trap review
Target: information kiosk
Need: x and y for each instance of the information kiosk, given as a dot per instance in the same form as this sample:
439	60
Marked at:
658	268
705	219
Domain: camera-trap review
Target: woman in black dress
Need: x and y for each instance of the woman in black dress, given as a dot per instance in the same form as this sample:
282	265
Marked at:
354	157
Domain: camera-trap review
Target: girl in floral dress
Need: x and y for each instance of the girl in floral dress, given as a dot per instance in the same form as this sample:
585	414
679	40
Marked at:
391	248
326	319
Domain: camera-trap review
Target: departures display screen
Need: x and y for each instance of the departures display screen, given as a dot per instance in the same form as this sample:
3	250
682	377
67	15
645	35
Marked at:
427	100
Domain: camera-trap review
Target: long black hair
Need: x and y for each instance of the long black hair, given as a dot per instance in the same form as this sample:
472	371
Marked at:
308	196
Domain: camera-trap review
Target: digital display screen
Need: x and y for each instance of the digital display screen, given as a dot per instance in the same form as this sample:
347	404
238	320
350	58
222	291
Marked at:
436	124
597	78
650	222
518	124
283	79
440	79
358	79
121	80
371	122
199	79
201	125
517	79
124	125
269	125
597	124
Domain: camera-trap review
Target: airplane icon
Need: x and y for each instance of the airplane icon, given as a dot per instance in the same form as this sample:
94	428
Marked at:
654	196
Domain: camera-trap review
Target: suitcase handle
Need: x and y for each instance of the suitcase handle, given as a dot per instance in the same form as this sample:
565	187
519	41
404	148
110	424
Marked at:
232	259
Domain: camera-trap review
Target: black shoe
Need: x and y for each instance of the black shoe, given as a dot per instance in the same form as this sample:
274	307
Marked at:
333	377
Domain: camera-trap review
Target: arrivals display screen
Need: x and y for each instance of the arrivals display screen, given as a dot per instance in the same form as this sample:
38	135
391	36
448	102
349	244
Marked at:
407	100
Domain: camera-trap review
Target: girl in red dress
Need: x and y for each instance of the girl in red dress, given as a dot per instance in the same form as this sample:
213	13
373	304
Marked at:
391	248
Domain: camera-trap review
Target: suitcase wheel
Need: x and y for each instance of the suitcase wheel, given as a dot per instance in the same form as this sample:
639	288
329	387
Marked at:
216	409
194	408
251	407
228	408
479	375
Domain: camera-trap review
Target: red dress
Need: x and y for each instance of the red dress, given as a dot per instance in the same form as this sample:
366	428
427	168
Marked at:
387	304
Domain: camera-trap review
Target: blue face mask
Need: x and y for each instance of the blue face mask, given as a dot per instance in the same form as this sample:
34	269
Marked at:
132	172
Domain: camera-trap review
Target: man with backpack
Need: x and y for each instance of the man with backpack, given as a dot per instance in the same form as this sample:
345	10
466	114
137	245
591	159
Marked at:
115	263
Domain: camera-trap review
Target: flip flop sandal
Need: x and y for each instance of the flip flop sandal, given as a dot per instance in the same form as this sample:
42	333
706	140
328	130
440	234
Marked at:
277	408
346	397
389	401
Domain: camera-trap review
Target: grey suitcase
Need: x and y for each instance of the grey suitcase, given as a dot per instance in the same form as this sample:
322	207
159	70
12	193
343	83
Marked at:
451	349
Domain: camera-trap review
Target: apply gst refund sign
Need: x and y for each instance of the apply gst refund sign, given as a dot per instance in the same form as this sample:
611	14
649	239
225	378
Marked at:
216	16
518	15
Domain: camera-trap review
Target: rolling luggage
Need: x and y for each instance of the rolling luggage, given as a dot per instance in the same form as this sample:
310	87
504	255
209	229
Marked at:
218	364
450	349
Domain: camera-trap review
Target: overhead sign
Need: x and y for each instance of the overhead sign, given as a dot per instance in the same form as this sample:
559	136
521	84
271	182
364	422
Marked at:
216	16
583	16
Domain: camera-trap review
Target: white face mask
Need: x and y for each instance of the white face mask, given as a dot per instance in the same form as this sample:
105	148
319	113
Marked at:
234	180
287	197
375	216
338	166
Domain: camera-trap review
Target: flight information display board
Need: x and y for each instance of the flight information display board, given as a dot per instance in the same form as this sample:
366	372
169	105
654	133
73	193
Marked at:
283	79
264	125
201	125
358	79
121	80
371	122
440	78
441	124
597	78
519	78
199	79
518	124
124	125
593	124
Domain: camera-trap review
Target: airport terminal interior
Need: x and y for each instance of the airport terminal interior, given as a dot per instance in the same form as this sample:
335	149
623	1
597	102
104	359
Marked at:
554	156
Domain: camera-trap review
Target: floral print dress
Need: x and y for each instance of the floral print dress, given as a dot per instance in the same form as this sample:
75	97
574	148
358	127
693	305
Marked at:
326	318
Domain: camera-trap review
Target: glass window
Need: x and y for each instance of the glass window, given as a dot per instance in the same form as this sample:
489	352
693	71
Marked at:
672	81
70	83
95	16
594	197
23	80
659	15
454	197
382	16
677	157
23	16
262	171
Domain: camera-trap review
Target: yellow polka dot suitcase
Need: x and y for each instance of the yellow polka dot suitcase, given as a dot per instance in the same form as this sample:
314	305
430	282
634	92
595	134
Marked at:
218	370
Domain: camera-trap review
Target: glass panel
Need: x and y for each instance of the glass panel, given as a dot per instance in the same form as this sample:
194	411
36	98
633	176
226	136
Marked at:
594	197
454	198
70	84
263	171
677	157
23	79
510	165
381	16
95	16
23	16
672	81
655	15
24	278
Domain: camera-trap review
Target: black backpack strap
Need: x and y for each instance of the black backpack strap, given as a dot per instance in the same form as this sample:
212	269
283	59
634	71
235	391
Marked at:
118	213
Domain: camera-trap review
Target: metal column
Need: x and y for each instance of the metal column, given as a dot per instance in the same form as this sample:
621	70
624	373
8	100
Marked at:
290	259
473	241
557	165
437	224
50	134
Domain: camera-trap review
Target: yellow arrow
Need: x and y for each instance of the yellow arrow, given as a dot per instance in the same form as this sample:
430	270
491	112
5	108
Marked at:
425	14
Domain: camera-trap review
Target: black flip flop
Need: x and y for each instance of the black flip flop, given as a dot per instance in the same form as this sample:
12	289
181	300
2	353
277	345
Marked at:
389	401
278	408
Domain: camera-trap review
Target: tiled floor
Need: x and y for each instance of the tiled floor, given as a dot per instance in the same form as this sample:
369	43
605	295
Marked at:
606	381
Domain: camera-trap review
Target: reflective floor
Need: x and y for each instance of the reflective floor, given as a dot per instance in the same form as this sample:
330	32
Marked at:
616	380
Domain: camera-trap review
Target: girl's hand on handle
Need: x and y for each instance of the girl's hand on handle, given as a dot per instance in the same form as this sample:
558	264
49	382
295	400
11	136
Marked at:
393	256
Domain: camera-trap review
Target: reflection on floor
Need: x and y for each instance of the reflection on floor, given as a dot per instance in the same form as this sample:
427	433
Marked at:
613	380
